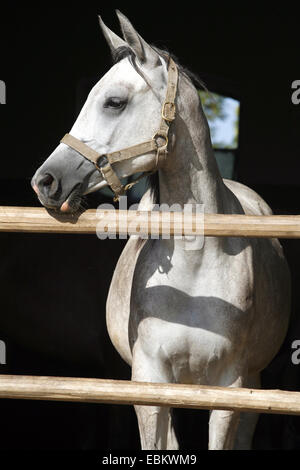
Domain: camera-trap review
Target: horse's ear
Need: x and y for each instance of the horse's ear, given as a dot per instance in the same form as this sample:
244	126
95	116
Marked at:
113	40
145	53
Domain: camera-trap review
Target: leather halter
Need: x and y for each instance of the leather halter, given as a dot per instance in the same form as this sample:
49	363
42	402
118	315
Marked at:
158	143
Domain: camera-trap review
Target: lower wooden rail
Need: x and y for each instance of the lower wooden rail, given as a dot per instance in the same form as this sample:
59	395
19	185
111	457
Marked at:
160	394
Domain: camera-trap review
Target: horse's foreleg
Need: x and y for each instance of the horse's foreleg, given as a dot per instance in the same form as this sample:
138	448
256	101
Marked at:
223	426
248	421
222	429
156	429
155	422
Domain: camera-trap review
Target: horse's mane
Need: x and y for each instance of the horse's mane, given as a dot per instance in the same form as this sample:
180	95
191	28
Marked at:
126	52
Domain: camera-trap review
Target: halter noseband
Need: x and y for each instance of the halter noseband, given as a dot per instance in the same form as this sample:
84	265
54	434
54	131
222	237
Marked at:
103	163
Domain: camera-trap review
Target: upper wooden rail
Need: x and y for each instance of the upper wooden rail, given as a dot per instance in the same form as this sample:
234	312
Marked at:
39	220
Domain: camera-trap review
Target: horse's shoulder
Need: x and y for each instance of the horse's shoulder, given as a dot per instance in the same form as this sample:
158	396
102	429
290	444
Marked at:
251	202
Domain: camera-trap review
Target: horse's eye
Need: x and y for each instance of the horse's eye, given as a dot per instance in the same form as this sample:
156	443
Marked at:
115	103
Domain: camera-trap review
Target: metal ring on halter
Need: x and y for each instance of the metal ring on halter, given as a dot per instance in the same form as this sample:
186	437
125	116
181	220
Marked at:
102	163
160	148
162	135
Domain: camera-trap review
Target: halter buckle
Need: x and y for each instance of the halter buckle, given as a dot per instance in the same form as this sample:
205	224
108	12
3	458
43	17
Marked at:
168	111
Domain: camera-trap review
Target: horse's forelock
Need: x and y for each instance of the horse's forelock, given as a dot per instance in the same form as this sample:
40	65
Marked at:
124	52
121	53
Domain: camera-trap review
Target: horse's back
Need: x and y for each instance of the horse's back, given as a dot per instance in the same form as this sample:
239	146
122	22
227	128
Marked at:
252	203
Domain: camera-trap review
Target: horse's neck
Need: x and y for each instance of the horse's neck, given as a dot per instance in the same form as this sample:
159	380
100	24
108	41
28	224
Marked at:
191	174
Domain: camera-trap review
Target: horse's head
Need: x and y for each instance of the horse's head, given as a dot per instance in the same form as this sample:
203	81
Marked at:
122	110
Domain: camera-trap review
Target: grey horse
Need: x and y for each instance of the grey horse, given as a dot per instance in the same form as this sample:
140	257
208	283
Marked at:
211	316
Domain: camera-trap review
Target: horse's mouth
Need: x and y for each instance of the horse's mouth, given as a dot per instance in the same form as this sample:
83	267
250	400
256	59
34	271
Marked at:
73	201
71	204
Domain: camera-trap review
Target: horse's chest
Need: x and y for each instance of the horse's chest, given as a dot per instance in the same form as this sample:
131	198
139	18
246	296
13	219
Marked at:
193	321
189	354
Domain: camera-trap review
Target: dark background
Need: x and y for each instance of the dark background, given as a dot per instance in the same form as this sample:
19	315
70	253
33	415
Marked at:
54	287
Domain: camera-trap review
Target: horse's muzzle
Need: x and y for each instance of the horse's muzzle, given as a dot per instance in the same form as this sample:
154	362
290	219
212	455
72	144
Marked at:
47	188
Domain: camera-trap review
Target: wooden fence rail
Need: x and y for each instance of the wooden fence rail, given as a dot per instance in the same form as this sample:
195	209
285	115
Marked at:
141	393
38	220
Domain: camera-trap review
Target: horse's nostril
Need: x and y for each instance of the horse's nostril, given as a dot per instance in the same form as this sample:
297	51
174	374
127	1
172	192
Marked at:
47	186
47	180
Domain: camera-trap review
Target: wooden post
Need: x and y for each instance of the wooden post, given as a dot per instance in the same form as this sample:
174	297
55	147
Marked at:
160	394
